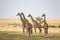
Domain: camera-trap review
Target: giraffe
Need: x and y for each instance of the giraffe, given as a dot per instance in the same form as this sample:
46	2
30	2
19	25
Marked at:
28	24
45	24
36	24
23	22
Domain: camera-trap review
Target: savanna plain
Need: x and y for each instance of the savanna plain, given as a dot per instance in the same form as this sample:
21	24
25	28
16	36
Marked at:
11	29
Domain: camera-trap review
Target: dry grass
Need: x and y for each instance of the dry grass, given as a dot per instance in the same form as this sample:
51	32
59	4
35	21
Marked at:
19	29
15	33
53	21
9	32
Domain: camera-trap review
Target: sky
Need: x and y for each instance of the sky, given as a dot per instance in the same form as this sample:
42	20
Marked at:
9	8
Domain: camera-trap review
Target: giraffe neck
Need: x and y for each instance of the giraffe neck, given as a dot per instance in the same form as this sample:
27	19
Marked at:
32	19
21	17
25	18
44	20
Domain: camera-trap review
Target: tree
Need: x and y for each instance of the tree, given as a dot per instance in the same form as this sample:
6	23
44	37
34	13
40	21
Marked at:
39	19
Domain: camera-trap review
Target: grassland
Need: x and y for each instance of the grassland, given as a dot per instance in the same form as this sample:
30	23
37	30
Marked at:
11	29
14	36
53	21
15	33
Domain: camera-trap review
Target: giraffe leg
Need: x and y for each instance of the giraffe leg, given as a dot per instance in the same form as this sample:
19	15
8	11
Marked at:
29	32
35	30
46	31
23	30
40	30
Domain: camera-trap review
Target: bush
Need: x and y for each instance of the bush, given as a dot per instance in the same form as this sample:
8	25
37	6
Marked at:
58	26
53	26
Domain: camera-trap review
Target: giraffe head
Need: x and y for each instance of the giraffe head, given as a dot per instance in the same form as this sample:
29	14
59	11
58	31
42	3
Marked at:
18	14
43	15
22	13
29	15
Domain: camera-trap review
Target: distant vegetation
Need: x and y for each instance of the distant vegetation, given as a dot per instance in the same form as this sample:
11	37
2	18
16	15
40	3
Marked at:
58	26
10	24
15	24
19	25
53	26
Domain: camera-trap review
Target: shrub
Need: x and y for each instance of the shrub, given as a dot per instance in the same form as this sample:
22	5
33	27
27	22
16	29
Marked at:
53	26
58	26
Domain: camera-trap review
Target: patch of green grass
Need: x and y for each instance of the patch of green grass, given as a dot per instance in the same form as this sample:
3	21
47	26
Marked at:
14	36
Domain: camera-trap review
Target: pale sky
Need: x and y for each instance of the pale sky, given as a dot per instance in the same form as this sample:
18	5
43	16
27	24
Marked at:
9	8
